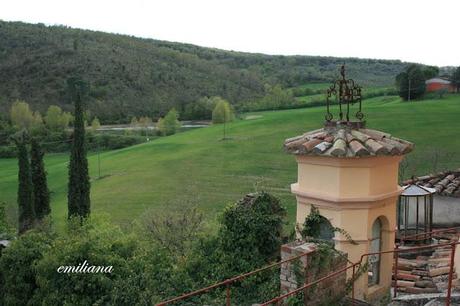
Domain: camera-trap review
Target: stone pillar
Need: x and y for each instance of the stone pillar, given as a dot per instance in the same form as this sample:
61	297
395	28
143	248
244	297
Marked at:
296	273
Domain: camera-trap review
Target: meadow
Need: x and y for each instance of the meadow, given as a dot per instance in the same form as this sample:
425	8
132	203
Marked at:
198	168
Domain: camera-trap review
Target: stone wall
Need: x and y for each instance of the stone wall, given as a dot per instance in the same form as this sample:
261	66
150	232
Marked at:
309	268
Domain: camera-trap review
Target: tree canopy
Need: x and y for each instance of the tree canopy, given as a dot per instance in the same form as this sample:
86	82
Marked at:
26	211
21	115
79	186
56	119
222	112
169	124
40	184
411	82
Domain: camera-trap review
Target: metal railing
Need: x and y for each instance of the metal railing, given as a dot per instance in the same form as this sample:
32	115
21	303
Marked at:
353	266
228	282
279	299
428	235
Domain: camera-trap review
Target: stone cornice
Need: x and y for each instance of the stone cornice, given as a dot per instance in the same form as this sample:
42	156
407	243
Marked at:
343	202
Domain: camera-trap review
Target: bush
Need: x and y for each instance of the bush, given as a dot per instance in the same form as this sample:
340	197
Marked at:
112	142
100	244
18	277
251	230
8	151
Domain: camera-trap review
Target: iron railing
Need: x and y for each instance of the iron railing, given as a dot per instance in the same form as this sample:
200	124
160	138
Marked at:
353	266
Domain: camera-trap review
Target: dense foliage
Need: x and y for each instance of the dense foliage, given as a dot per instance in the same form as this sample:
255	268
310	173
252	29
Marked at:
38	172
79	186
251	230
147	268
144	77
411	81
17	268
26	212
170	124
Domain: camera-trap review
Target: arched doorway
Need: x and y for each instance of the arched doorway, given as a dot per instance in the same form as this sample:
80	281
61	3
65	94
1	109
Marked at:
374	260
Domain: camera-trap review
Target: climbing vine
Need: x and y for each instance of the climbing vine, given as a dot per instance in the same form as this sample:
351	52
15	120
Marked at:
311	231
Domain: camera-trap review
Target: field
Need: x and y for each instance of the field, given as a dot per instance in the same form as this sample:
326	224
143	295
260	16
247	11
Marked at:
198	168
315	97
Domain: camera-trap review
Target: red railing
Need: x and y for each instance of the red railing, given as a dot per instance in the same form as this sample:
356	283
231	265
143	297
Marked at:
228	282
279	299
428	235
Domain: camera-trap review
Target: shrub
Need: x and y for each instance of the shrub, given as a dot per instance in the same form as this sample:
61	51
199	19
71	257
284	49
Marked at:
18	278
98	243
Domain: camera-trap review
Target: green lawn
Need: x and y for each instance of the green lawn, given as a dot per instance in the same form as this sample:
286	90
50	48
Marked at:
370	90
197	168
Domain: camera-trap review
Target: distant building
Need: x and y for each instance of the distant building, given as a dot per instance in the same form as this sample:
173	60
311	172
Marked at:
436	84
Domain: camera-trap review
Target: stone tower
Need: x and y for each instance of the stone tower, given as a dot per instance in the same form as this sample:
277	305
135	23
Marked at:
350	173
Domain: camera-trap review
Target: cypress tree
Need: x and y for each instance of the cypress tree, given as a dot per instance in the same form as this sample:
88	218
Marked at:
26	213
79	186
41	192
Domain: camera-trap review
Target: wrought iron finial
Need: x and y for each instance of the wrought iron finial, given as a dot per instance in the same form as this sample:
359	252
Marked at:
346	92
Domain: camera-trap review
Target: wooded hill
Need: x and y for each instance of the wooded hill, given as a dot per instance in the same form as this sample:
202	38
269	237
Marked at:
133	76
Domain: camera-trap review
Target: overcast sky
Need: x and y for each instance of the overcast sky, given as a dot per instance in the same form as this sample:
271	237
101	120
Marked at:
410	30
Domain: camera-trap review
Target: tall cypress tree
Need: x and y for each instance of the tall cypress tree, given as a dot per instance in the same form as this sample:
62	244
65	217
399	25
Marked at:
26	213
79	185
41	191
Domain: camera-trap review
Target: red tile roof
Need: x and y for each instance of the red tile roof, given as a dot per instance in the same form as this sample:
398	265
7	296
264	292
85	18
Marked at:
446	183
342	139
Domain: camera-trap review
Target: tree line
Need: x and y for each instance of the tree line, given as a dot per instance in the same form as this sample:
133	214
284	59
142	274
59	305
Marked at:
411	82
143	77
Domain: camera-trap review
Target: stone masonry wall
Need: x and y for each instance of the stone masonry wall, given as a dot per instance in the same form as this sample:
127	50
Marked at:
308	268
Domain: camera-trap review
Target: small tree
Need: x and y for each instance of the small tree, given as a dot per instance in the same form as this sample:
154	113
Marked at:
222	113
95	124
21	115
41	192
145	123
411	82
37	121
26	212
170	124
56	119
134	122
79	186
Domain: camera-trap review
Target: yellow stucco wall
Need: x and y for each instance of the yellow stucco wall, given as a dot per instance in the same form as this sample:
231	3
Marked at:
352	193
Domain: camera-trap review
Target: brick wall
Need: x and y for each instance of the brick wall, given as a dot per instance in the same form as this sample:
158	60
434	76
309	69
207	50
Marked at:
309	268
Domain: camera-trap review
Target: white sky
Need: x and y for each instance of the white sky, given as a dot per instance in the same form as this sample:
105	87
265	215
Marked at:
411	30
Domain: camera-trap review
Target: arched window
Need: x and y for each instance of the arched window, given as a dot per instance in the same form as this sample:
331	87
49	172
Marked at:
374	260
326	231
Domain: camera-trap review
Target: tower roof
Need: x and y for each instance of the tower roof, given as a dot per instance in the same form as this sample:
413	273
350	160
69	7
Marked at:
346	139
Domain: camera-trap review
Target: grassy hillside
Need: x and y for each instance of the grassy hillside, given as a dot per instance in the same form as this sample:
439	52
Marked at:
197	168
133	76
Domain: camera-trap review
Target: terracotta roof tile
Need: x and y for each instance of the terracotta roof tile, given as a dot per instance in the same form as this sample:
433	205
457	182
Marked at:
446	183
346	140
